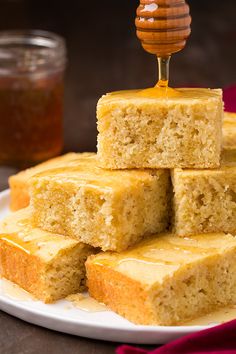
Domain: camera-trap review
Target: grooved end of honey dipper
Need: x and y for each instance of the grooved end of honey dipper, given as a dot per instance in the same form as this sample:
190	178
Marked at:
163	26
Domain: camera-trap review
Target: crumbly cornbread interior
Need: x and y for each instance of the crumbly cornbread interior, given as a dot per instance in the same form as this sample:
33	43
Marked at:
103	208
205	200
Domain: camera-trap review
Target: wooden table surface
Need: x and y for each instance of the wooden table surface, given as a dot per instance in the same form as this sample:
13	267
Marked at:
104	55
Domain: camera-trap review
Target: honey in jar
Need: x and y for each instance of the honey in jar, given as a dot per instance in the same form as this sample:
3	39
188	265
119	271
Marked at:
32	65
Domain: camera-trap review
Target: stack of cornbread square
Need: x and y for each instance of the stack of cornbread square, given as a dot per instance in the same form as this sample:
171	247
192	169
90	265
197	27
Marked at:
154	209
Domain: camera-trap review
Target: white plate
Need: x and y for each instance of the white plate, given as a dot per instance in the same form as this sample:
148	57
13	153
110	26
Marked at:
63	316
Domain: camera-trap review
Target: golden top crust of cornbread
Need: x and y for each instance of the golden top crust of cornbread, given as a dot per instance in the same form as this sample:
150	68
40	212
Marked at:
227	166
19	182
86	171
229	131
189	95
17	230
155	259
52	163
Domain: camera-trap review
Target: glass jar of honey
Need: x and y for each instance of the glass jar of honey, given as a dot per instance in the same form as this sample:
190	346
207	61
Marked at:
32	65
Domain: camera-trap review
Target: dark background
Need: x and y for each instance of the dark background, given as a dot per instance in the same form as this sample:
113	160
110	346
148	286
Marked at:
104	55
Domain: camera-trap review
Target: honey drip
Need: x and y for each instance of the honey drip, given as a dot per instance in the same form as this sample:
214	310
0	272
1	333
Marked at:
161	89
163	72
163	27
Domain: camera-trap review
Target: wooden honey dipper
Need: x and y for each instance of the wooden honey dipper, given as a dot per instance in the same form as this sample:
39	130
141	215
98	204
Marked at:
163	27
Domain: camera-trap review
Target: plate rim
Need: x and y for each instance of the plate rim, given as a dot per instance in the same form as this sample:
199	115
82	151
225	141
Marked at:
136	328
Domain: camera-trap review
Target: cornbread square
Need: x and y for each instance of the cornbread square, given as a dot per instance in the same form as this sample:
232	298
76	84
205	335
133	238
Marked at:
166	280
19	193
228	155
47	265
205	200
138	130
229	131
103	208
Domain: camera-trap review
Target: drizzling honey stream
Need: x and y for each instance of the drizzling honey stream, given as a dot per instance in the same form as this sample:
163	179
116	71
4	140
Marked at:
163	27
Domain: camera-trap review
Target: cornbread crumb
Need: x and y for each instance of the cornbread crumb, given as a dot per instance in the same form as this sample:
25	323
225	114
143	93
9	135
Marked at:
166	280
47	265
75	297
146	132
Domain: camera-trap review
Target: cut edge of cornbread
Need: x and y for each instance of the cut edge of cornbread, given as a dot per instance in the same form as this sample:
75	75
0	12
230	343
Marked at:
138	131
49	266
185	292
204	201
19	190
103	208
229	131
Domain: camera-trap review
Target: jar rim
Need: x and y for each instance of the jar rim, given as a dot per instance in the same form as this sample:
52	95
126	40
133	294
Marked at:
23	51
32	36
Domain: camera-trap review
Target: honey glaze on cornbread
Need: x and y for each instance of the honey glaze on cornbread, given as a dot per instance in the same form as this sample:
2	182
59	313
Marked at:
94	176
156	258
162	251
26	243
160	93
22	234
14	240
